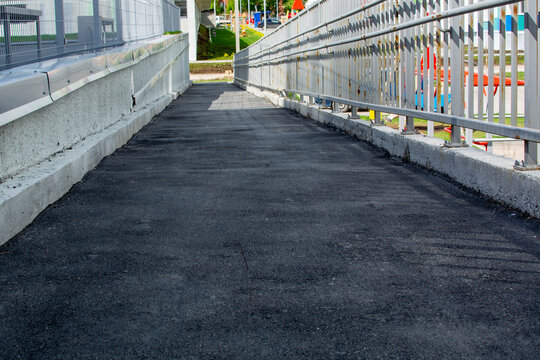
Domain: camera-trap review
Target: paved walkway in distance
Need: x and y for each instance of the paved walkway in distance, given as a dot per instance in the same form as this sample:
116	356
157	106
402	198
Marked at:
231	229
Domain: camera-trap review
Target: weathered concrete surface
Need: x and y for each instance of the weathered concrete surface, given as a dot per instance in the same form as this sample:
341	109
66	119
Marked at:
228	228
84	106
24	196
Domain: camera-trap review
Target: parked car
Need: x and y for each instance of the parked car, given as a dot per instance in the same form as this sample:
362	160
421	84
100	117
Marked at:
270	23
327	104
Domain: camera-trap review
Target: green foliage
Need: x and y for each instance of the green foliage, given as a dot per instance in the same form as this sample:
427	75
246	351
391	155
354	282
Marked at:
212	80
33	38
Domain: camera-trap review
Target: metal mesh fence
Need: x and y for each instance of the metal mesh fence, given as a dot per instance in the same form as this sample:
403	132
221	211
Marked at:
34	30
171	17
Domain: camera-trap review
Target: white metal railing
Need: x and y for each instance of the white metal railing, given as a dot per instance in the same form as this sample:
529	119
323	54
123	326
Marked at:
477	60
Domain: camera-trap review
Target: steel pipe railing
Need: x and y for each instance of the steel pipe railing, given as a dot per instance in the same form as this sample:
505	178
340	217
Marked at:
467	63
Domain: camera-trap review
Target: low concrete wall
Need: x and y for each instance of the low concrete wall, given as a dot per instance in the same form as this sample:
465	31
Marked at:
48	149
486	173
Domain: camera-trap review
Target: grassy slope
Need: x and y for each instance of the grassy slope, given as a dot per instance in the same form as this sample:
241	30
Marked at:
211	68
223	45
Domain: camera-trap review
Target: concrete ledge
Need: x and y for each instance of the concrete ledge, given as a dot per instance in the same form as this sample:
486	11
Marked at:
27	194
491	175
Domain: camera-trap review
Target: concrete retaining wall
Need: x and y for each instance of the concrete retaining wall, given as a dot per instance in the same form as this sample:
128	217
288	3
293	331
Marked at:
44	152
486	173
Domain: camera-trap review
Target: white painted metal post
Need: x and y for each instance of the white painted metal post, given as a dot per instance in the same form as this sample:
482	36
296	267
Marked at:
456	65
59	21
237	25
119	29
409	67
532	111
97	24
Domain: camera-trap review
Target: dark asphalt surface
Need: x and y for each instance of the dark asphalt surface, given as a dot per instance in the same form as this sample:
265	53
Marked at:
230	229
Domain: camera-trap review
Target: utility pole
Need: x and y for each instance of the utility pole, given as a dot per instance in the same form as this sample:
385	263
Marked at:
214	8
277	9
264	14
237	25
249	13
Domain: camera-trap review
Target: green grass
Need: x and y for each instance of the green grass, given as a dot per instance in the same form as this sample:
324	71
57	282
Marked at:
520	59
520	75
172	32
421	125
223	45
212	80
33	38
292	96
211	68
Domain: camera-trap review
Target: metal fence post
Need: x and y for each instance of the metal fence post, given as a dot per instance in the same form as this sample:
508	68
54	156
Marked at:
38	36
532	113
7	38
60	31
457	36
119	30
377	121
354	113
409	68
97	24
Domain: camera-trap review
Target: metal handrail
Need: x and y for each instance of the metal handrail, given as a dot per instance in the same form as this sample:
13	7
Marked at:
413	58
512	132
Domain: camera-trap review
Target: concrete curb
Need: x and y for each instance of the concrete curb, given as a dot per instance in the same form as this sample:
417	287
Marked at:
24	196
491	175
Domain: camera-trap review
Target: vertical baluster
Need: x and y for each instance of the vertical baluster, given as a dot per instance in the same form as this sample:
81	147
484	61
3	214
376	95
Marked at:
371	52
481	84
382	55
438	63
457	74
378	54
400	41
366	59
418	50
429	66
390	57
446	46
502	64
491	74
470	77
532	96
514	65
409	67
